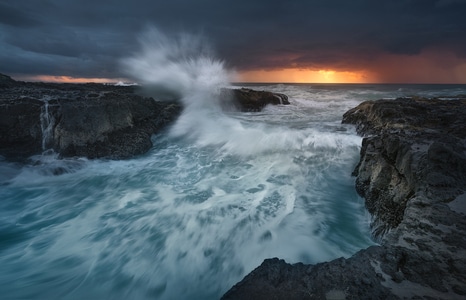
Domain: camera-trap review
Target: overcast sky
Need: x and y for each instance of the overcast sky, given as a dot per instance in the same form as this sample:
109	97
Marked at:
87	38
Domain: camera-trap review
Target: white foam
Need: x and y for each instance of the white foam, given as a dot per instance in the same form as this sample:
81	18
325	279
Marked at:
215	197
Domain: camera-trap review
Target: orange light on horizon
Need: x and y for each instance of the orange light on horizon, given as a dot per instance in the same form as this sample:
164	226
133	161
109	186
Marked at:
66	79
290	75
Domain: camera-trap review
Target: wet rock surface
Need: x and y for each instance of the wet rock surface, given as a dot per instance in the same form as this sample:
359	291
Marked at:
412	173
94	120
413	146
248	100
91	120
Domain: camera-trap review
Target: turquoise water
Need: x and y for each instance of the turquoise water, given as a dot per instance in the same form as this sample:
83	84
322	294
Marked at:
217	194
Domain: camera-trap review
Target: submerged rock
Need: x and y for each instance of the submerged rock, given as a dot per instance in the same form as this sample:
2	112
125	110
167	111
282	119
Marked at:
91	120
412	173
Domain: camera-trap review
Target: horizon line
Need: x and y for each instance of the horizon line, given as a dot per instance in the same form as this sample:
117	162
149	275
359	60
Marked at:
104	80
349	83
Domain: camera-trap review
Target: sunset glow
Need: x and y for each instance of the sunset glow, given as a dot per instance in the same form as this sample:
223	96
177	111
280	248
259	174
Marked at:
65	79
305	76
435	65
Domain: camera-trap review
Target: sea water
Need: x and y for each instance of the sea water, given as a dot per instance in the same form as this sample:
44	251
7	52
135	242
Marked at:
217	194
196	213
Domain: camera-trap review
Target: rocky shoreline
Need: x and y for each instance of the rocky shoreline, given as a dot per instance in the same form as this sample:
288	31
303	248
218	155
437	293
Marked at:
94	120
412	174
90	120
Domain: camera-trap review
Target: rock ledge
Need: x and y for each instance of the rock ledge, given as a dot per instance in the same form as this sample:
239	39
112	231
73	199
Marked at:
94	120
91	120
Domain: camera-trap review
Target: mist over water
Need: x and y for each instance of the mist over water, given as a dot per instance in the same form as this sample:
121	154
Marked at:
218	193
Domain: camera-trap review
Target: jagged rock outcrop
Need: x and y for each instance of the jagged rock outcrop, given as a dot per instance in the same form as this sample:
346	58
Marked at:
412	146
94	120
111	125
248	100
91	120
412	173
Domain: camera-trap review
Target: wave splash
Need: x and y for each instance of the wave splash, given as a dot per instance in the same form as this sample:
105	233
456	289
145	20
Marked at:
173	67
184	67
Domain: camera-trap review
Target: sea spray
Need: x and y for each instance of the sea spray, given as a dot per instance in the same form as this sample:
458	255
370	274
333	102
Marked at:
218	193
175	66
185	221
245	186
184	67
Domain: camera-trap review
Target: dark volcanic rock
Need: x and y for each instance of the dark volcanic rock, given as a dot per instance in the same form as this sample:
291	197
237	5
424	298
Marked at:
91	120
413	145
352	278
6	81
250	100
412	173
20	127
111	125
94	120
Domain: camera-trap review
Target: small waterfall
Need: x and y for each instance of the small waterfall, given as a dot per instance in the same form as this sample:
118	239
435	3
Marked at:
47	122
279	99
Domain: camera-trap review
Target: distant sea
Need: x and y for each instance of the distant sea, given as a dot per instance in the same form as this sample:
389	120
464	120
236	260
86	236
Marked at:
217	194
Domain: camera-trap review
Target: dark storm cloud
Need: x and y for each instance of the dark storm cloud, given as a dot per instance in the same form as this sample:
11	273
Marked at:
87	38
13	16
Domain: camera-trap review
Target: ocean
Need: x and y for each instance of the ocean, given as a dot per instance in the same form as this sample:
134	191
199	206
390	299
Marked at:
217	194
